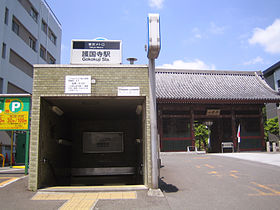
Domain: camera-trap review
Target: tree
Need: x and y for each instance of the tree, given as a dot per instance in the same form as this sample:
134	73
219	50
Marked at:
271	126
201	135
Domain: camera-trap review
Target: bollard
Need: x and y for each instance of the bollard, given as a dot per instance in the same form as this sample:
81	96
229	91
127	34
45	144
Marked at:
273	146
268	146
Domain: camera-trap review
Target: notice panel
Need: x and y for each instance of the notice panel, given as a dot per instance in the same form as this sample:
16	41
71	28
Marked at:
128	91
102	142
14	113
78	84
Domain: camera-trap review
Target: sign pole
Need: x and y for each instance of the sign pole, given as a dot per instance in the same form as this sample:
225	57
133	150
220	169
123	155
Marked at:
26	152
12	142
153	118
153	52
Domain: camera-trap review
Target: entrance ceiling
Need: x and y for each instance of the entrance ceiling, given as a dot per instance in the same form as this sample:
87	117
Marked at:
96	108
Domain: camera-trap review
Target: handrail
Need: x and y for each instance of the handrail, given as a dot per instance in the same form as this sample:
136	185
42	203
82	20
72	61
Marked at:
3	164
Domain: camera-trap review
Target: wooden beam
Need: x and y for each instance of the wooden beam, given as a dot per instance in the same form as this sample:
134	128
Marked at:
176	116
203	107
212	116
247	116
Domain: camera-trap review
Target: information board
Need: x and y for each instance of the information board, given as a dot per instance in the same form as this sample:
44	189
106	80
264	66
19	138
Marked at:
14	113
128	91
102	142
78	84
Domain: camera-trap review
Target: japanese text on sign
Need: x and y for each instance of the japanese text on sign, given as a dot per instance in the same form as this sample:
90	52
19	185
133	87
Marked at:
96	55
78	84
96	52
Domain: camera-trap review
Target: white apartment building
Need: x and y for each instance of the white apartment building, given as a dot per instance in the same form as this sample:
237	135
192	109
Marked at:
30	34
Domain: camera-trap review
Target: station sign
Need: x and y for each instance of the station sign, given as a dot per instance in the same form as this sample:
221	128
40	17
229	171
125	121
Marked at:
14	113
96	52
154	40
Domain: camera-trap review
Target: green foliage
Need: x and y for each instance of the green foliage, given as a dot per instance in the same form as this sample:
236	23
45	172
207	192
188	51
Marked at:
271	126
201	135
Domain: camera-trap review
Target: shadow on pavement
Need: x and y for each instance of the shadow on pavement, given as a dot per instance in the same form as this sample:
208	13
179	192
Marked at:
168	188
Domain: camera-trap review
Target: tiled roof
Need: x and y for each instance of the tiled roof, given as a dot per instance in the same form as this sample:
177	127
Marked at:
197	85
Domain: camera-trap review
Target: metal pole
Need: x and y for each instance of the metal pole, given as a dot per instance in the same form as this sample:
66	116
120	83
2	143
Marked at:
153	121
26	152
12	142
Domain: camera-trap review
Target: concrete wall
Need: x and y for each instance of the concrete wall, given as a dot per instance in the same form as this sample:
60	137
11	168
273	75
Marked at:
272	81
10	73
49	80
55	159
84	160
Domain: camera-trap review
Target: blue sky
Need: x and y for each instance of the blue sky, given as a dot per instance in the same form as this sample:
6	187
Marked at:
196	34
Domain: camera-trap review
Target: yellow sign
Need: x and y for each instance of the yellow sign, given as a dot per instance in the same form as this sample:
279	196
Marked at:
14	113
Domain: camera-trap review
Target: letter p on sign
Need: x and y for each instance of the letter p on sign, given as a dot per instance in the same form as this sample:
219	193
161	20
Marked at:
15	106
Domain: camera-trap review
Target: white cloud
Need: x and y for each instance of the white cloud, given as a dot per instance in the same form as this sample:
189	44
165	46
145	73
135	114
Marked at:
197	33
198	36
214	29
156	3
254	61
269	37
196	64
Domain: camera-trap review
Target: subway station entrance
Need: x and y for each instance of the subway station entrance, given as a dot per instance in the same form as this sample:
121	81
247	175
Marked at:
91	141
97	136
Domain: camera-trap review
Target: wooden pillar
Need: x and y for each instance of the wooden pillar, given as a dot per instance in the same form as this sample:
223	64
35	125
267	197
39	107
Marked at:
160	129
192	127
262	128
220	133
233	129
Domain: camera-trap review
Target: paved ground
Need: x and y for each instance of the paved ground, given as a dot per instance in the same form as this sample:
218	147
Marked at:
16	196
188	181
262	157
219	182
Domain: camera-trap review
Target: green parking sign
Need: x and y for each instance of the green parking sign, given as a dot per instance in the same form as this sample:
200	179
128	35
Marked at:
14	113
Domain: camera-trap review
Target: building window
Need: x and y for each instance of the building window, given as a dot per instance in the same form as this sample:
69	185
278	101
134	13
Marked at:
6	20
44	26
15	27
34	14
50	59
42	52
32	43
52	36
19	62
278	85
4	50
